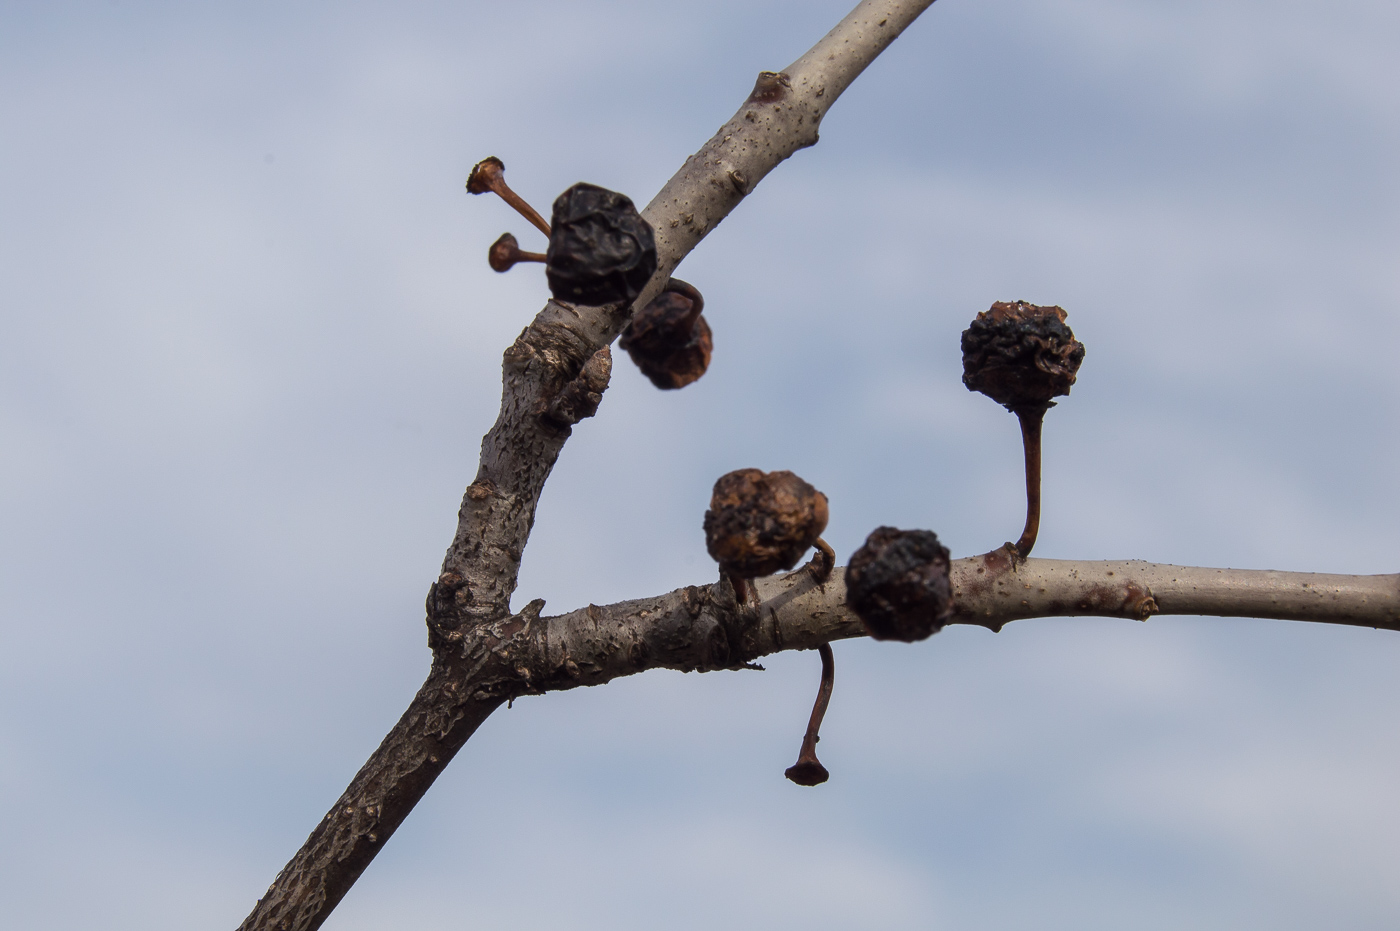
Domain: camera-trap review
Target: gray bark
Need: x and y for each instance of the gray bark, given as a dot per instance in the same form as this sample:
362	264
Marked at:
701	628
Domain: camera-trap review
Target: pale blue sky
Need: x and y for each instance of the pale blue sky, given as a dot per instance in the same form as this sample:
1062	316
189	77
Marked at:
249	344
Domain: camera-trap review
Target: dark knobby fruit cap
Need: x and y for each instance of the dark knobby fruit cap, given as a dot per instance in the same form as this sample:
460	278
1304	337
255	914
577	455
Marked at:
601	251
807	773
1020	355
669	339
506	252
762	522
486	175
897	583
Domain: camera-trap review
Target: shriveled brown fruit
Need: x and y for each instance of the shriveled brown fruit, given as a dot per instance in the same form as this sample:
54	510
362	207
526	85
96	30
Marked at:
760	522
1020	355
897	583
668	339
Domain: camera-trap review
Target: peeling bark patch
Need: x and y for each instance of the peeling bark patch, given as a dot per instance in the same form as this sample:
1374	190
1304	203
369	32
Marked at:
1099	598
561	348
1127	600
718	647
481	489
770	87
990	567
998	561
696	600
580	397
447	599
1139	602
518	354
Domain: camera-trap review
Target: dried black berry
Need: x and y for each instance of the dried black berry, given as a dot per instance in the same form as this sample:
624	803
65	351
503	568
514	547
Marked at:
669	339
897	583
762	522
1020	355
601	251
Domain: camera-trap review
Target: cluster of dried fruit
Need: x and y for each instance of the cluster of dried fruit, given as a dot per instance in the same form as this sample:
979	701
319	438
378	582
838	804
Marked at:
602	251
760	523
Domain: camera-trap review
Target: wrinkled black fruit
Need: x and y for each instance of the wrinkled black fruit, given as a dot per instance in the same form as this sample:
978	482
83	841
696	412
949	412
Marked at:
1020	355
897	583
601	251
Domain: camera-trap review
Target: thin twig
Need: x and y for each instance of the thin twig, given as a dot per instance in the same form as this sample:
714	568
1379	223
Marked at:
1031	422
808	770
699	628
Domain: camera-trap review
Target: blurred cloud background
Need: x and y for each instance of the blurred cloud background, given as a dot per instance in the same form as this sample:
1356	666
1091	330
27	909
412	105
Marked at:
249	344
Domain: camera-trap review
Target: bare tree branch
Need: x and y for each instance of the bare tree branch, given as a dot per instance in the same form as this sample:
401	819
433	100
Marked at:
701	628
781	116
554	375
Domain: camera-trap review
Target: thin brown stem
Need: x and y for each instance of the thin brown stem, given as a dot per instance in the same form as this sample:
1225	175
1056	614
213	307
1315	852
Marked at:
744	590
823	561
691	293
1031	421
489	175
808	770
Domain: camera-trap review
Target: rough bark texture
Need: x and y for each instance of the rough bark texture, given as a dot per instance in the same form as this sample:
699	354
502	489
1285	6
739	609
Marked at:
701	628
435	726
553	376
